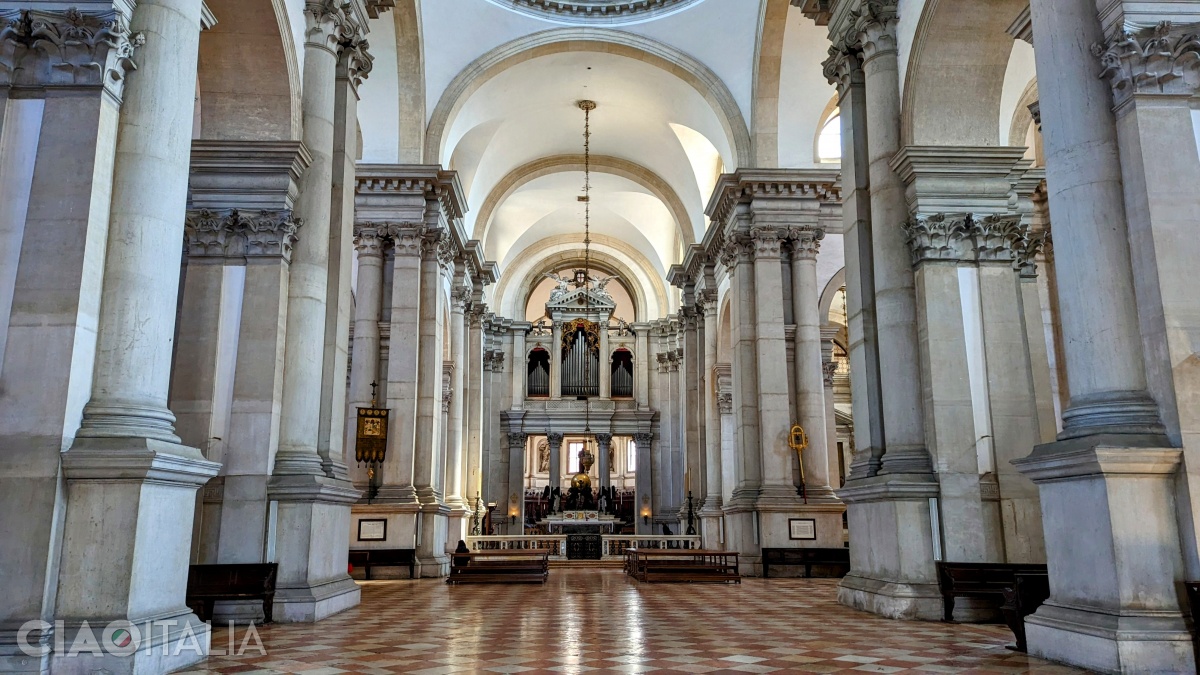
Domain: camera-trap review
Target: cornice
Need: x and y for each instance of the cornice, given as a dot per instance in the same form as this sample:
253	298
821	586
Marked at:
595	11
747	185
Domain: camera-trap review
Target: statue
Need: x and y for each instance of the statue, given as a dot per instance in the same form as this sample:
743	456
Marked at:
602	503
554	502
561	288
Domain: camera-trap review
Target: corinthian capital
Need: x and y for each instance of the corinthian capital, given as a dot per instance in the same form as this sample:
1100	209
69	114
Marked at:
268	234
328	23
1160	60
996	237
68	48
767	244
368	240
354	60
875	25
936	236
230	233
843	68
207	232
407	238
805	242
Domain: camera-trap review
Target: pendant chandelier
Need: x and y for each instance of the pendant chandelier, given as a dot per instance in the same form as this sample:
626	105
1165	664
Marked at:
587	107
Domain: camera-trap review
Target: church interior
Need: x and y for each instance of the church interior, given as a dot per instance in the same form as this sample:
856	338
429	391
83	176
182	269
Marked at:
433	336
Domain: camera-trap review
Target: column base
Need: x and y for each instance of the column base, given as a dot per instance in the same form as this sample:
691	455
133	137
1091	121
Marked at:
313	531
127	540
432	531
457	526
711	535
892	572
1109	643
741	535
891	599
394	494
311	603
401	533
162	645
1114	555
776	523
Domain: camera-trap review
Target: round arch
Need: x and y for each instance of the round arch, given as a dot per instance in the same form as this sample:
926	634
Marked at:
829	293
567	260
261	103
580	39
955	76
649	293
515	179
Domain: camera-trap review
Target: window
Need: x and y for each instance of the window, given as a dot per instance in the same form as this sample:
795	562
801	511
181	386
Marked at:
573	450
631	457
829	142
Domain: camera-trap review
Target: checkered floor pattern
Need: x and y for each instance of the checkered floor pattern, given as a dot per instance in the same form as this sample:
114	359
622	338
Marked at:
600	621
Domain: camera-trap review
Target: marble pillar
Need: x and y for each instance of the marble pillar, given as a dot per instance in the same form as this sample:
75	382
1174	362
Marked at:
130	484
478	394
555	441
396	484
1114	465
604	469
710	509
520	361
513	506
556	361
455	451
605	365
643	498
313	511
369	243
430	446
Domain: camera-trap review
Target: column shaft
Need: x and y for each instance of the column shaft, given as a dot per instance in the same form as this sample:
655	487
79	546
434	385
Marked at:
555	441
810	380
368	309
429	447
403	365
454	432
712	417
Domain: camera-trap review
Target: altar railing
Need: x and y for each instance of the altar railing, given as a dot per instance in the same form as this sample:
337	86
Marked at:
612	548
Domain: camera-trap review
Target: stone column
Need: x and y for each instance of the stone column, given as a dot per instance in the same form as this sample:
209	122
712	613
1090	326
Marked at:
710	509
514	504
556	361
555	441
895	302
429	383
368	310
774	405
477	395
690	365
810	389
126	462
644	497
641	362
313	502
403	364
1113	464
844	68
520	377
455	456
829	368
604	470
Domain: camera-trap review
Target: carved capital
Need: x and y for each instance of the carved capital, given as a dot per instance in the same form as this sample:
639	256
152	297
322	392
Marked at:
369	240
408	239
231	233
767	243
935	237
354	58
327	23
516	440
460	298
603	440
1164	59
555	439
843	68
995	237
446	251
68	48
828	370
643	441
725	403
706	301
805	242
874	23
1028	249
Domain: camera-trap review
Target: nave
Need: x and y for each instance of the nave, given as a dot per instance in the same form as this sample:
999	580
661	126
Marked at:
601	621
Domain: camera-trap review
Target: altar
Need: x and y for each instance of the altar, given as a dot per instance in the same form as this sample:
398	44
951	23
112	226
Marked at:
569	522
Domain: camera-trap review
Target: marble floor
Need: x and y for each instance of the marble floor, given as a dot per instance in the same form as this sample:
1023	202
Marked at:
599	621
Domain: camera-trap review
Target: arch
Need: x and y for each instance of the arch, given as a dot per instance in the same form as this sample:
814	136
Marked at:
410	68
616	166
830	112
1022	122
830	292
768	64
643	281
606	40
725	332
258	103
956	70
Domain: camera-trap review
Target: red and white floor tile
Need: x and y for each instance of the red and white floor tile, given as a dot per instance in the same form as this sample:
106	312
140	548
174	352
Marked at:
600	621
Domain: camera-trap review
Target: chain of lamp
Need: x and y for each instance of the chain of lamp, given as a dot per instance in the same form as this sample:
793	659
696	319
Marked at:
587	107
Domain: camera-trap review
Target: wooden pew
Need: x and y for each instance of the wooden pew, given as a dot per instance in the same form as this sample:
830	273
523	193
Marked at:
1027	593
808	557
209	583
504	567
384	557
979	580
684	565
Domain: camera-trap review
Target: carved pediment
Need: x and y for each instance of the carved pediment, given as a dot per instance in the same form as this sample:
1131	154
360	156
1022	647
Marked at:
580	298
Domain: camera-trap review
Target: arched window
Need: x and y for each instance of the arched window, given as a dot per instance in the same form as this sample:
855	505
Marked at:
829	140
538	373
622	374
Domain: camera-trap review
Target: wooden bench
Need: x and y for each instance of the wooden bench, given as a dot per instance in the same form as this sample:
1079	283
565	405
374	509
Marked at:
808	557
251	581
503	567
367	558
1027	593
682	565
979	580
